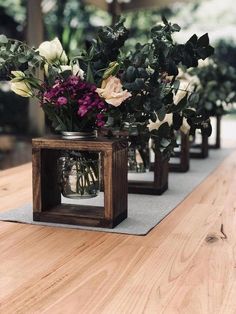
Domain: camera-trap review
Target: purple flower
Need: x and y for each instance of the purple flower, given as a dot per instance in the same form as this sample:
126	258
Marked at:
83	101
82	110
62	101
100	116
100	123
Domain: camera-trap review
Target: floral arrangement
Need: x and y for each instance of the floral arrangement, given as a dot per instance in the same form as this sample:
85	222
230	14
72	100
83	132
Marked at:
72	99
158	104
106	86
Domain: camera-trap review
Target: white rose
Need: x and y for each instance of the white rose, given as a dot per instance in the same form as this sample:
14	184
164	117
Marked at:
53	51
20	86
75	70
156	125
112	91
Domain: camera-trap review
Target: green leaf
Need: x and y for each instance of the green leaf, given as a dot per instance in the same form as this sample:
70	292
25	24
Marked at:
165	142
164	20
89	75
130	73
161	113
112	69
163	130
193	99
203	41
22	59
3	39
176	85
176	27
153	117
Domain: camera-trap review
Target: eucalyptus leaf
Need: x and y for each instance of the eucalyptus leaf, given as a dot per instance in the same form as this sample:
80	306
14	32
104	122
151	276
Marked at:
3	39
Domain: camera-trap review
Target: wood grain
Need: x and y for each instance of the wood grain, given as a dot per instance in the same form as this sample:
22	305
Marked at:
184	265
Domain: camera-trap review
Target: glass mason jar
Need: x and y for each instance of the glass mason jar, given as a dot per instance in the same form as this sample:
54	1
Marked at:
79	171
138	147
138	154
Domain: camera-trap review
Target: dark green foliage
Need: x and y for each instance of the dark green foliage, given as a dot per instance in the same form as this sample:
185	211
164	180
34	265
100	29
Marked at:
104	50
217	87
15	55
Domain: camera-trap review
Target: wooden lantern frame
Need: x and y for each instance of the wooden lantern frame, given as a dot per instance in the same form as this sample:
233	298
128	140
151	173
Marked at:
183	155
160	169
217	143
203	148
47	204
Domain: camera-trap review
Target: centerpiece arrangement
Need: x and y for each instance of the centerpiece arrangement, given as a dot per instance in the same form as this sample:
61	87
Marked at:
158	106
135	93
69	97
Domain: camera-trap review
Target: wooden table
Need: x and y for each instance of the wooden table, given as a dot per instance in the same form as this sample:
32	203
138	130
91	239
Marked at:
186	264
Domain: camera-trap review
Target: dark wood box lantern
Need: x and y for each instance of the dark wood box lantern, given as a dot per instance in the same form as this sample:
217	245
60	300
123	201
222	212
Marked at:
159	169
200	151
182	155
47	204
217	143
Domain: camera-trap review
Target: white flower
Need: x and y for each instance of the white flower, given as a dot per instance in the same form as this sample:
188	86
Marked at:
20	86
53	51
74	68
112	91
185	127
156	125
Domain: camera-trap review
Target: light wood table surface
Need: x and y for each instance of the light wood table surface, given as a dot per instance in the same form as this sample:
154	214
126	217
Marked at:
185	265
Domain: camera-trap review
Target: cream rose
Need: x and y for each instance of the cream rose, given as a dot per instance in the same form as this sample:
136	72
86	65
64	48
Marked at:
112	91
53	51
20	86
155	125
185	127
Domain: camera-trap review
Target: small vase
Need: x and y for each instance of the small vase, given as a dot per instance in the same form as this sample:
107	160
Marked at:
79	171
138	155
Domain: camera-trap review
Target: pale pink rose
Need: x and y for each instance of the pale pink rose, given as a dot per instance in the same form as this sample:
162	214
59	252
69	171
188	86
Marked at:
112	91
